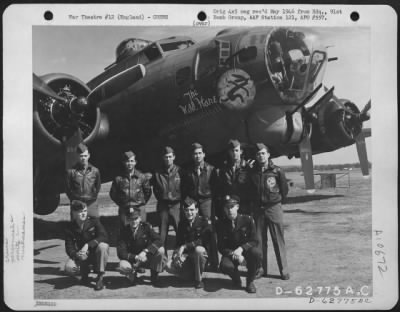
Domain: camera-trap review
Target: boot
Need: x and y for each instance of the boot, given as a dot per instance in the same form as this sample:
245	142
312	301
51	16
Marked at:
250	287
99	282
132	277
237	282
199	285
155	279
85	279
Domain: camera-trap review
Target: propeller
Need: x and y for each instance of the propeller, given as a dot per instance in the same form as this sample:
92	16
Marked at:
353	122
67	111
305	144
362	154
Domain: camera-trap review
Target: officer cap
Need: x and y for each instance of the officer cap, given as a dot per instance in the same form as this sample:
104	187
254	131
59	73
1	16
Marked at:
233	143
231	200
134	214
167	150
127	155
81	148
77	205
260	146
196	146
188	202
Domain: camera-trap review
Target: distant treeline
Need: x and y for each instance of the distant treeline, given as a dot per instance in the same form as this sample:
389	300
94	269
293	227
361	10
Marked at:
326	167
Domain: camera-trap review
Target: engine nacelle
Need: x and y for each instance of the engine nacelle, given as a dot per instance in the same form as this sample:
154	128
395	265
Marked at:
337	125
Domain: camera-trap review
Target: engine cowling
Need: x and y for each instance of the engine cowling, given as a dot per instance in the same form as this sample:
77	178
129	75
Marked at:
338	123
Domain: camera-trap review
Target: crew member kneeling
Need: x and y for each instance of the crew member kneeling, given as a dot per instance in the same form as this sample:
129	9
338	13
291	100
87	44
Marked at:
194	234
85	243
139	246
237	241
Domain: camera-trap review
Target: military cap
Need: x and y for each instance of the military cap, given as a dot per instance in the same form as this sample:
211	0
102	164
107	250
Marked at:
231	200
233	143
188	202
167	150
77	205
127	155
81	148
134	214
260	146
196	146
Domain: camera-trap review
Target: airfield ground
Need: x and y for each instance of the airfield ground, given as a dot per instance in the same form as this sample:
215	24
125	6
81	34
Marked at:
328	238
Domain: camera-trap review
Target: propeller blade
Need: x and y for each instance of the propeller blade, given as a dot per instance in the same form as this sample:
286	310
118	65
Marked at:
70	144
116	83
307	164
366	108
40	86
367	132
362	154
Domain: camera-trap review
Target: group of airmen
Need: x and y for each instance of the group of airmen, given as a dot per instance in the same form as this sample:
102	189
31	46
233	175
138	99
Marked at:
227	210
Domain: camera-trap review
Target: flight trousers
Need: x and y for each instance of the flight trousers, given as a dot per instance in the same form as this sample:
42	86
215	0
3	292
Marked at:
166	211
252	256
270	218
206	209
98	258
193	266
155	262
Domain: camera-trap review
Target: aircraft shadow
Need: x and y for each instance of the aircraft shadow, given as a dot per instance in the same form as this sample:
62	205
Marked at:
39	261
214	284
60	282
308	198
49	271
316	212
116	282
37	251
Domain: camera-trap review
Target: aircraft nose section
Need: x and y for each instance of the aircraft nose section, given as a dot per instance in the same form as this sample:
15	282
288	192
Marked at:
267	126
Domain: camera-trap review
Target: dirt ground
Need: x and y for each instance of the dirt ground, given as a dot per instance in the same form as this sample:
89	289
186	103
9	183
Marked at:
328	239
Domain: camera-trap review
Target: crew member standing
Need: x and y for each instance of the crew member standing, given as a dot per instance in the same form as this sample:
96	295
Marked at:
269	187
86	242
83	182
237	241
167	190
131	189
200	184
233	178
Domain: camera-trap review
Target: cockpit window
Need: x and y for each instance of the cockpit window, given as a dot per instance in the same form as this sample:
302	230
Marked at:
295	63
152	52
177	45
317	60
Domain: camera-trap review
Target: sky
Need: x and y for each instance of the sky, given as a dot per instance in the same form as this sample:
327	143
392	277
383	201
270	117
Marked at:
84	52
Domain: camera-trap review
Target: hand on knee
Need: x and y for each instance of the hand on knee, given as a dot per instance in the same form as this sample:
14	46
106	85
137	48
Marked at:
161	250
124	267
199	250
102	246
71	270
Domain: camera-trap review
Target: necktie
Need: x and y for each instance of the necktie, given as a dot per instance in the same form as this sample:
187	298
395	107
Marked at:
198	171
134	233
233	224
